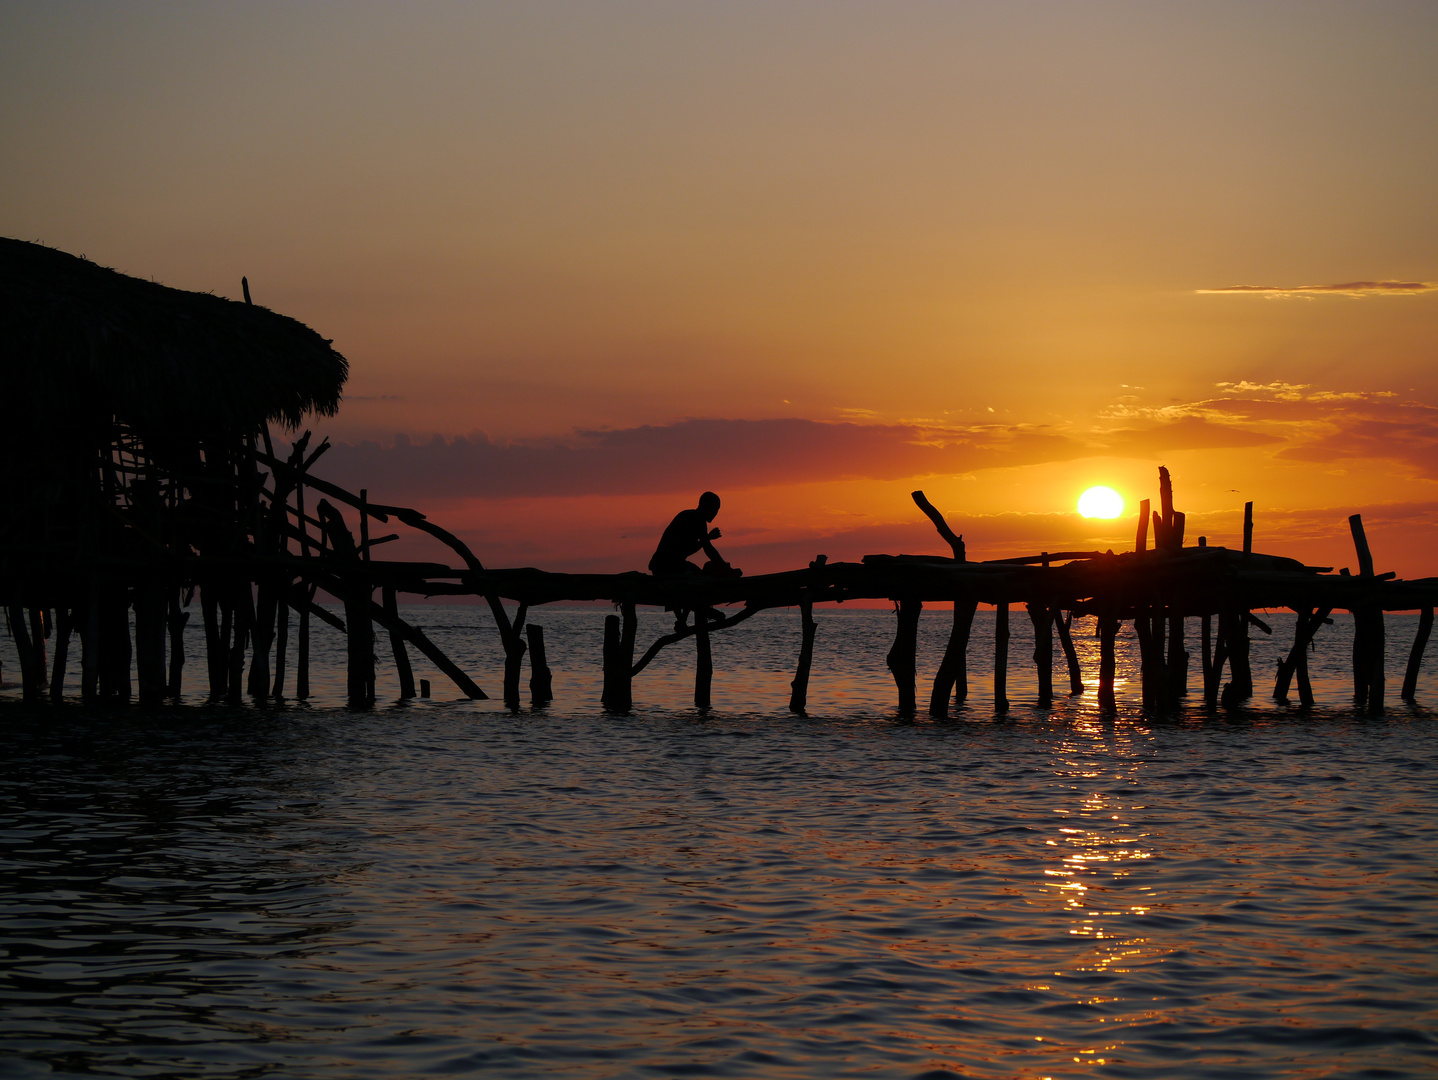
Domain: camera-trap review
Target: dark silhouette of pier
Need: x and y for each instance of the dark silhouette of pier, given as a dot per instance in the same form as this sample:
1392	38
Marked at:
142	473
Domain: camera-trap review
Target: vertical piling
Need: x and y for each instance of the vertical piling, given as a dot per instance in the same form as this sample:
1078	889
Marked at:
1107	658
799	688
397	646
952	678
302	645
1415	655
1001	657
903	654
541	681
282	644
178	620
64	626
1041	615
703	660
1062	622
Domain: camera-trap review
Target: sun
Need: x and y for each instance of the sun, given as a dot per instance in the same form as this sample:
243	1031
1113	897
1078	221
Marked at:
1100	502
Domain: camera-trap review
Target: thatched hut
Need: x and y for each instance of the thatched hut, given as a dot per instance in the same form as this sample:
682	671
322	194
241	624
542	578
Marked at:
133	412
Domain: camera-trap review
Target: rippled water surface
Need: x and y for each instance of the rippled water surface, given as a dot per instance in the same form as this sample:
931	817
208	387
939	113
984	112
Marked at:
448	888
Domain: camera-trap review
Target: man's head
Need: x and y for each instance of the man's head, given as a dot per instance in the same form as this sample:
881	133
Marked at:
709	505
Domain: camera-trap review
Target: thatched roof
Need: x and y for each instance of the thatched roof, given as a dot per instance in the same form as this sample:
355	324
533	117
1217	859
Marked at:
80	343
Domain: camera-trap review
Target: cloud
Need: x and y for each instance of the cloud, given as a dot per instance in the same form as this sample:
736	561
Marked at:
692	455
1347	288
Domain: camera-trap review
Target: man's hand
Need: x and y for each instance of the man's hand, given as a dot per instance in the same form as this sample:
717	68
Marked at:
715	534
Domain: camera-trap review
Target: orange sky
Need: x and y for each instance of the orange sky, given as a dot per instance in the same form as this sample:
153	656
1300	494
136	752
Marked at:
810	255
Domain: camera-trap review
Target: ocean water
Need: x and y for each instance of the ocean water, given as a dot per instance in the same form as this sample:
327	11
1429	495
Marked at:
447	888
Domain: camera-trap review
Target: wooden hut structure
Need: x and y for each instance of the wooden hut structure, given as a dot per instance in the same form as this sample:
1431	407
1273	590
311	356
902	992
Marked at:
134	414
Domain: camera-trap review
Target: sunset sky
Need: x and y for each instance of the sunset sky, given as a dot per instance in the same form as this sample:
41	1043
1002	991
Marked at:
587	260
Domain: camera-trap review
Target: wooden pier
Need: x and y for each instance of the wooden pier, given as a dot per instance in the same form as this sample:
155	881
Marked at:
146	478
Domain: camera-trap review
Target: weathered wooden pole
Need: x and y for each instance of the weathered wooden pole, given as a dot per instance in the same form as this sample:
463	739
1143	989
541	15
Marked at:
1368	632
1062	622
1240	684
30	677
619	660
541	680
215	646
1107	658
1296	662
90	645
903	654
514	650
799	688
1041	616
1001	657
354	585
244	609
953	674
1205	634
1212	689
282	644
703	660
64	626
1415	655
952	678
1248	528
396	644
178	620
368	586
302	646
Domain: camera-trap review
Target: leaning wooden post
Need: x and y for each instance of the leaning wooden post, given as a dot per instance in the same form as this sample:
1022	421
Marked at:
541	681
799	688
179	619
1062	623
610	696
282	644
64	626
396	644
953	674
903	654
1107	658
514	649
1041	616
1415	655
302	642
29	676
1368	631
368	585
952	678
1001	657
703	660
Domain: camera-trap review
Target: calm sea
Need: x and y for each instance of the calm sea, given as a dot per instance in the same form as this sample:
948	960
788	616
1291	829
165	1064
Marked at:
446	888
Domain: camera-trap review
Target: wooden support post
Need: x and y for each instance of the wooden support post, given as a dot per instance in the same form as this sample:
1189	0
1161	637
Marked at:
30	677
178	620
282	644
1001	657
1211	688
541	681
514	649
244	609
64	626
215	648
1296	662
1368	633
39	631
1206	648
90	646
799	688
1248	528
703	661
396	644
1062	622
1108	625
302	648
1041	615
952	678
1240	685
903	654
150	643
1140	544
1415	655
115	648
618	690
1177	682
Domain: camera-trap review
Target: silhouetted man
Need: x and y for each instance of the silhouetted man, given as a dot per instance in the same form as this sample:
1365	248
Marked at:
687	533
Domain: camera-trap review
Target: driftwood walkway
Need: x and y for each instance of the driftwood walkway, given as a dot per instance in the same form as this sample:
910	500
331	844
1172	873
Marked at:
254	601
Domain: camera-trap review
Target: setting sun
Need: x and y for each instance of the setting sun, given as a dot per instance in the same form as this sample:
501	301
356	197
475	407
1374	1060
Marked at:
1100	502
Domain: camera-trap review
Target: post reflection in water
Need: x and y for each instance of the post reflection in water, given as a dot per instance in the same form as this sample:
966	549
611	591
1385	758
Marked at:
446	887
